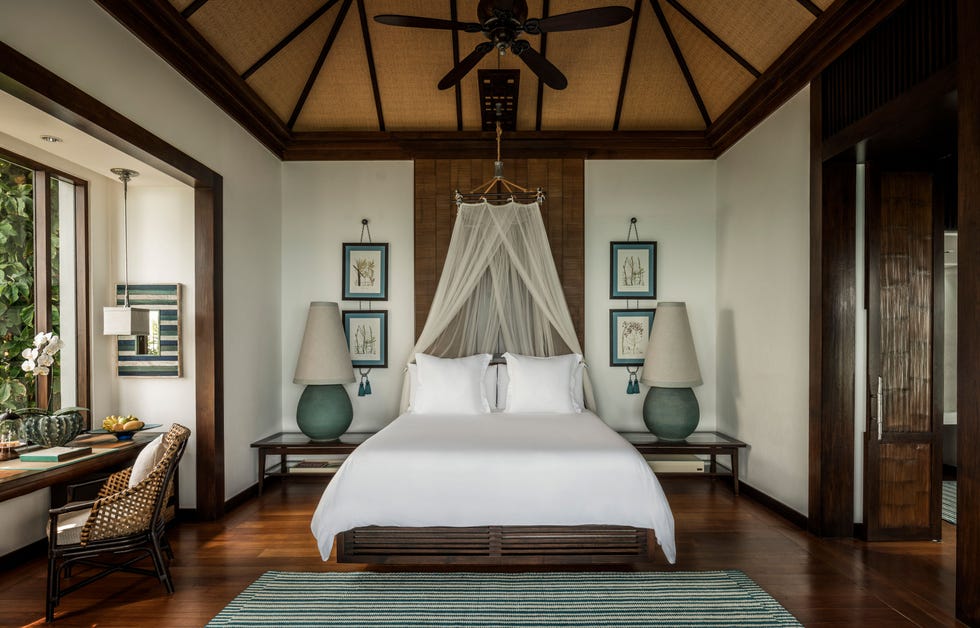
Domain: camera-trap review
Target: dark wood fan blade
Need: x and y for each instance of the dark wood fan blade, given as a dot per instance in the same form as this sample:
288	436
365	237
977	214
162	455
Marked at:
579	20
457	73
427	22
548	73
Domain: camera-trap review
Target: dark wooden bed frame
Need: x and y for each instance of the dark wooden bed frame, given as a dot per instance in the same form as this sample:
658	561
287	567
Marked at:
496	545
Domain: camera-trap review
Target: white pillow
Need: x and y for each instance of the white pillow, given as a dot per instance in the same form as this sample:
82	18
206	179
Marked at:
451	385
541	384
490	385
146	461
503	381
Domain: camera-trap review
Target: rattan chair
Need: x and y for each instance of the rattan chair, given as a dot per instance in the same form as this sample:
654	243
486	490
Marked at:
119	522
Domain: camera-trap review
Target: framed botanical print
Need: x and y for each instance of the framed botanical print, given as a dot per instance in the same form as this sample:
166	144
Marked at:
629	331
632	270
158	353
365	271
367	337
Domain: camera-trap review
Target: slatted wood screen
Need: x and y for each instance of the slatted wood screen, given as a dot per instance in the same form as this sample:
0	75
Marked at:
562	180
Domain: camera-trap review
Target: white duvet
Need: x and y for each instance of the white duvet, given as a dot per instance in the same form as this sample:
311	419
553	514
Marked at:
494	469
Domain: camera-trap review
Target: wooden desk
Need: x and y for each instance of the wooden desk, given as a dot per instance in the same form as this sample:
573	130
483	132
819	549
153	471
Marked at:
285	444
704	443
20	478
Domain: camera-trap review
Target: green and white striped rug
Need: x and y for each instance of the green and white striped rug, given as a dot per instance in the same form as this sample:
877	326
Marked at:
949	501
584	599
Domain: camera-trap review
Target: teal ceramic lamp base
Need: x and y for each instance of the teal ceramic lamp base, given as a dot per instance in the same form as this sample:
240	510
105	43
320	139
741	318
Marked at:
672	414
324	412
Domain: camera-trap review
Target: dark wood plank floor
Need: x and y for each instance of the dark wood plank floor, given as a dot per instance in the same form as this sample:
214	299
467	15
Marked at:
822	582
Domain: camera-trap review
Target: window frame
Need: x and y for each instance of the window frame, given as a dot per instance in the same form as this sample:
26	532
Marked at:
43	175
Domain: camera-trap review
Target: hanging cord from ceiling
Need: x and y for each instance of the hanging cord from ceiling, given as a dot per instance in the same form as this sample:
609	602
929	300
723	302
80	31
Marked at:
504	189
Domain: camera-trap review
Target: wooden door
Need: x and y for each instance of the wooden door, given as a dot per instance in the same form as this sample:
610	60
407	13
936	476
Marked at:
903	473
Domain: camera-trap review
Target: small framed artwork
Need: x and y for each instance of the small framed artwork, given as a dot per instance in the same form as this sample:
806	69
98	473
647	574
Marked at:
632	270
628	334
365	271
367	337
158	353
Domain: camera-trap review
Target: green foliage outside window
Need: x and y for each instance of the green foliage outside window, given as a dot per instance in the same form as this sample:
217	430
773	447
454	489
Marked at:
16	281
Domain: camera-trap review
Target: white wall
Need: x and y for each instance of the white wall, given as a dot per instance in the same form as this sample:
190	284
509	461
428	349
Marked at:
99	56
763	301
323	204
161	250
674	203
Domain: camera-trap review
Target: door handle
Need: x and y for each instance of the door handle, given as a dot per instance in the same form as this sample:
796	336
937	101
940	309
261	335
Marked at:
881	407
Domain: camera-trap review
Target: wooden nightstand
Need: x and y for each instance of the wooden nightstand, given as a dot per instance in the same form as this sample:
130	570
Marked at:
285	444
704	443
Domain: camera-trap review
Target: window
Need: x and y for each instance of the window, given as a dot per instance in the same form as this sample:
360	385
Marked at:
43	283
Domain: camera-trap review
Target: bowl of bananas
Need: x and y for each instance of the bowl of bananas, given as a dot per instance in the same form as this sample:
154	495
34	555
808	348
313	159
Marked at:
123	427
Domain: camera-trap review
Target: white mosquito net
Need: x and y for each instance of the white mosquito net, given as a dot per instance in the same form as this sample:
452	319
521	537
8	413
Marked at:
499	290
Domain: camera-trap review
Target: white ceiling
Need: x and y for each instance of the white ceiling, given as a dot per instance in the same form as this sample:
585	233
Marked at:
26	123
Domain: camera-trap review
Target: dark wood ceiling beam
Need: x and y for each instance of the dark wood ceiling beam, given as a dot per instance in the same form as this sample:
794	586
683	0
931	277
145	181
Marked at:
477	145
626	63
192	8
811	7
158	25
315	72
718	41
545	12
454	16
679	57
836	30
296	32
370	60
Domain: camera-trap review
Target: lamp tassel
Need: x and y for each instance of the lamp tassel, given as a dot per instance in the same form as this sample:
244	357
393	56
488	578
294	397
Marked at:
364	388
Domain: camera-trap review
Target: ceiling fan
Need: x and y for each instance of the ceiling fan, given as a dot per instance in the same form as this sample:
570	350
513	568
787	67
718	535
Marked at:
502	22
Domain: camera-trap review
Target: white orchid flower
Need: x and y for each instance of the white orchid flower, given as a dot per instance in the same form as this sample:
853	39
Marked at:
41	370
45	359
28	366
28	354
54	345
40	339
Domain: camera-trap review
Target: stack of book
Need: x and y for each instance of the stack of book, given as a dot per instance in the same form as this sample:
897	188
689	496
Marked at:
55	454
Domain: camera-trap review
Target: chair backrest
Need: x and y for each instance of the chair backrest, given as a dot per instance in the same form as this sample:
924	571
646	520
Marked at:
137	509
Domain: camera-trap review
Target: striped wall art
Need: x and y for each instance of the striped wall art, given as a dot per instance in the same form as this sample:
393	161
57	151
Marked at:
156	355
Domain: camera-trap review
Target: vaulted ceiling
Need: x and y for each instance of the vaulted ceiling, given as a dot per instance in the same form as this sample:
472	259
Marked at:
323	79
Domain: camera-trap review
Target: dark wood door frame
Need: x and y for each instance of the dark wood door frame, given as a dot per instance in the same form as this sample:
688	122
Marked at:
968	332
828	512
32	83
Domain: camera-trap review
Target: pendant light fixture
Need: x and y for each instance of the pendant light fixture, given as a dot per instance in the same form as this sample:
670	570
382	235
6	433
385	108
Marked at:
125	320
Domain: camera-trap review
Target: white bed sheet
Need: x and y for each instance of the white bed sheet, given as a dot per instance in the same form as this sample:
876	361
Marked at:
494	469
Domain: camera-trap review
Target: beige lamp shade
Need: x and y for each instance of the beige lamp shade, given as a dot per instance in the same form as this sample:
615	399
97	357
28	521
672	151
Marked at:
125	321
324	357
670	361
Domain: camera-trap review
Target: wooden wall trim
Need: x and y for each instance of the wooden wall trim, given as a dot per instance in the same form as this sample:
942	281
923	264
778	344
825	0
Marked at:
563	213
968	338
160	26
34	84
480	145
832	333
833	32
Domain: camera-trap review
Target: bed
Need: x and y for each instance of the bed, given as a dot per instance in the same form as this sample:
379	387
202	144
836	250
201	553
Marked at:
495	488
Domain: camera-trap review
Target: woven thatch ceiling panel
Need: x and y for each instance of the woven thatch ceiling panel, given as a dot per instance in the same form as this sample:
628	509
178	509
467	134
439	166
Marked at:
280	81
527	97
409	64
759	31
593	62
342	97
244	31
718	77
378	77
657	97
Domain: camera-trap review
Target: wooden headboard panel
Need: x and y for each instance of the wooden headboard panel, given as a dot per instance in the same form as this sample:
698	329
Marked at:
563	182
